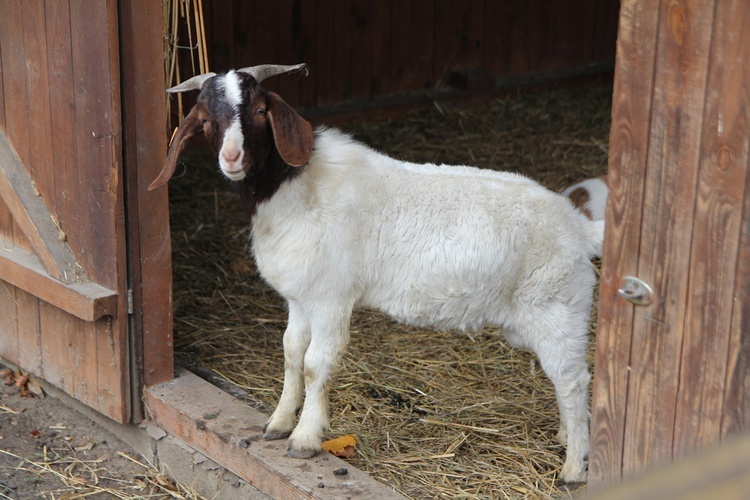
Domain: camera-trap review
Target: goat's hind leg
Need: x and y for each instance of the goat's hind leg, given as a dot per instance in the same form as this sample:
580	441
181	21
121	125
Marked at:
563	359
296	342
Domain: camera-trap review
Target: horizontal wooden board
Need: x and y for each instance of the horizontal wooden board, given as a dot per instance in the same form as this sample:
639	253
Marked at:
83	299
231	433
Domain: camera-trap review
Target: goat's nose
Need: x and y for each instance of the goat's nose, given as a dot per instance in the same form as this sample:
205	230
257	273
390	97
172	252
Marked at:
231	156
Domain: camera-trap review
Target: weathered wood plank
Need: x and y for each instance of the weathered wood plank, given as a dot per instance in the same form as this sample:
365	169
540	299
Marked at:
716	235
41	164
14	90
112	374
62	108
144	151
736	410
9	324
231	434
29	332
682	41
721	472
628	152
33	218
360	51
83	299
98	131
6	220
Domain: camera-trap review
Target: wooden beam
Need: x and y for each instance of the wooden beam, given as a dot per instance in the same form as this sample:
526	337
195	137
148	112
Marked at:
33	217
231	434
84	299
717	472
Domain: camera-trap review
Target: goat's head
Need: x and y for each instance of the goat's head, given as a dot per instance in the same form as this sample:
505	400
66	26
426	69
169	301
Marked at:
242	122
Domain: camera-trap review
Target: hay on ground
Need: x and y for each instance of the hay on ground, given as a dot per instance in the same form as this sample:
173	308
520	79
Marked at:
436	413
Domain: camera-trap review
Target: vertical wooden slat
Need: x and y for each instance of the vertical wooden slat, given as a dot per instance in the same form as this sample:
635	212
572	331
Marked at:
736	407
40	166
14	90
9	324
61	101
6	222
382	41
359	48
683	40
148	211
411	53
459	36
628	153
325	70
716	233
29	333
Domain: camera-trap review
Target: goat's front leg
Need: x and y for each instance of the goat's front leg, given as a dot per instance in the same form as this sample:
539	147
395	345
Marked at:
330	336
296	342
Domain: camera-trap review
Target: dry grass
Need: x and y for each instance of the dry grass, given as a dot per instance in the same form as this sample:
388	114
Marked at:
437	413
79	478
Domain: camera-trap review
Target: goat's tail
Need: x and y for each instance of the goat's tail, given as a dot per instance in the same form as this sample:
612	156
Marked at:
594	235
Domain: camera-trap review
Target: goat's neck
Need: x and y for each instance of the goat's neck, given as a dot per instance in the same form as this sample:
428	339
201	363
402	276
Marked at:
261	185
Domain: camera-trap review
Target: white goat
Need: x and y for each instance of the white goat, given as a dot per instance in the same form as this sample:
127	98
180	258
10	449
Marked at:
589	196
337	225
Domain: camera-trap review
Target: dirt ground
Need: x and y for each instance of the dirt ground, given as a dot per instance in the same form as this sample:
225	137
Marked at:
48	450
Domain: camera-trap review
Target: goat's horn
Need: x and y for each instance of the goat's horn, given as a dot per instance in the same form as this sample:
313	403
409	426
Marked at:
263	71
194	83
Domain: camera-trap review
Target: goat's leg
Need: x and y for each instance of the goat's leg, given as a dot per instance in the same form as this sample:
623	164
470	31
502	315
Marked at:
330	336
296	342
563	359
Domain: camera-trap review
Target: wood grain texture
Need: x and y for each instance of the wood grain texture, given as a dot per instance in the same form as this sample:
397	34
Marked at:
149	245
682	41
230	432
716	238
9	324
736	408
83	299
628	152
33	217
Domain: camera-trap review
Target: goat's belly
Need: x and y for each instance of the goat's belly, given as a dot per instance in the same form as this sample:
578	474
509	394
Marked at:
444	307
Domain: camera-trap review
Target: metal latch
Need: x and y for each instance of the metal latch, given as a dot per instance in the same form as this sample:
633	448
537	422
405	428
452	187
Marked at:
636	291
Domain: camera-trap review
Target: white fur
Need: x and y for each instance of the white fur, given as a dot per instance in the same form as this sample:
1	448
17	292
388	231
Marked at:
441	246
597	191
232	152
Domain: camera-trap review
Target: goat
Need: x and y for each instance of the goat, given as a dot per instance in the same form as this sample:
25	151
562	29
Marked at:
337	225
589	196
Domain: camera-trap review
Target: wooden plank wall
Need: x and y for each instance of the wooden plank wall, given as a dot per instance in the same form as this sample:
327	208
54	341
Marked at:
60	109
363	49
673	377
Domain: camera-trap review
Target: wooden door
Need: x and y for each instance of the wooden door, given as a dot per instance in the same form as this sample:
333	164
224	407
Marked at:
672	377
66	262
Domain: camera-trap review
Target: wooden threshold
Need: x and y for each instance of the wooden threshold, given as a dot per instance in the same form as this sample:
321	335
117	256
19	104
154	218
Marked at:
230	433
84	299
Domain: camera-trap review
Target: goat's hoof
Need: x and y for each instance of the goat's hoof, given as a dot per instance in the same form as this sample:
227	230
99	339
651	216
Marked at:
273	435
295	453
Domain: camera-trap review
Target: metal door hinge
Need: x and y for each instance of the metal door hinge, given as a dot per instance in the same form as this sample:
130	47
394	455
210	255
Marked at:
130	302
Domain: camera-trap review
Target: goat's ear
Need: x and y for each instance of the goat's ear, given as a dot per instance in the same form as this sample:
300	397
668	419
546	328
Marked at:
191	124
292	133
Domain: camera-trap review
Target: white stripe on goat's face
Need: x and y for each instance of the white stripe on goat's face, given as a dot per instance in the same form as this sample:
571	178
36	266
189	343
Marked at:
232	153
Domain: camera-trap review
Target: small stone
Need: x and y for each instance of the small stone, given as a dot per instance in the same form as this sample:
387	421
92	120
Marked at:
321	485
341	471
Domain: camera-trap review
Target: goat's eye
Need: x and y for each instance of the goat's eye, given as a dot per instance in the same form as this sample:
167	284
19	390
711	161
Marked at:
261	111
204	120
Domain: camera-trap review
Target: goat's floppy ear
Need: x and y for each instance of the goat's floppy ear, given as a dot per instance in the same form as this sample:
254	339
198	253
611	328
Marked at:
191	125
292	133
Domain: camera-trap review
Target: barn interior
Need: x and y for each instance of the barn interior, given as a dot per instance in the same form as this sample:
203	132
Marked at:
435	413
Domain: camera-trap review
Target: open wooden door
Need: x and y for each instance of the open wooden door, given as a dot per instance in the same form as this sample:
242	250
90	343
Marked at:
64	155
673	375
